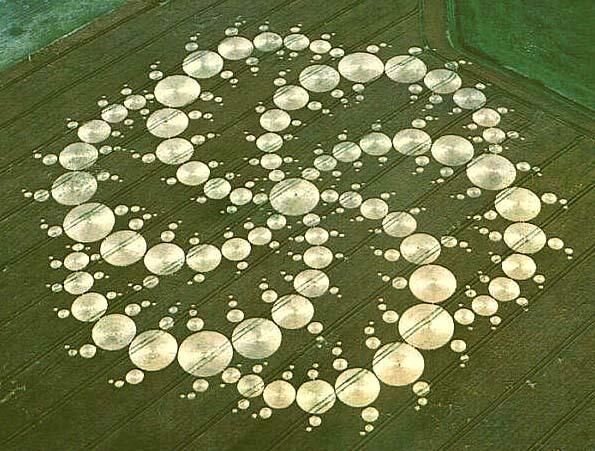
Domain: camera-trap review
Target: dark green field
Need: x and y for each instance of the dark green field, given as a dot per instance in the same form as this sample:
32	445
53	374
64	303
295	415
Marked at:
29	25
550	42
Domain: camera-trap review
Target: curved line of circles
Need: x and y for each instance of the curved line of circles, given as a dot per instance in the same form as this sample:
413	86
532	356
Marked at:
446	80
286	363
130	187
169	69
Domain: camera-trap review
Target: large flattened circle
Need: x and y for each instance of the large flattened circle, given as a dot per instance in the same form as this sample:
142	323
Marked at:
294	197
256	338
432	283
205	353
426	326
398	364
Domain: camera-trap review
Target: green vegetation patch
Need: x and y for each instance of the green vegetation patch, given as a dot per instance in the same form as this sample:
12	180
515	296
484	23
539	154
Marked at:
29	25
547	41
